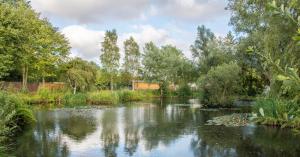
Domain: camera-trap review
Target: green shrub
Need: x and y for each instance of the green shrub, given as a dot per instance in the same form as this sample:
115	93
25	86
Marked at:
221	85
184	91
129	96
14	116
78	99
277	112
103	98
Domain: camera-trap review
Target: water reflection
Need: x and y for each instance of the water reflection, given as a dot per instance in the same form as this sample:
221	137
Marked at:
148	130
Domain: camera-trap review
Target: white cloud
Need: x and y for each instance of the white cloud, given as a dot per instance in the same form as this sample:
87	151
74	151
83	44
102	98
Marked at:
205	10
94	11
147	33
89	11
85	43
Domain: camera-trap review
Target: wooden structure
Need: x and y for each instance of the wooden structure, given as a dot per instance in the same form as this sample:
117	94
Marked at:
31	87
142	85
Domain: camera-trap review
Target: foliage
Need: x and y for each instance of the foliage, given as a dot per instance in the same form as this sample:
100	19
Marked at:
166	65
28	43
14	116
103	98
129	96
110	55
78	99
132	57
204	36
184	91
276	112
221	85
80	74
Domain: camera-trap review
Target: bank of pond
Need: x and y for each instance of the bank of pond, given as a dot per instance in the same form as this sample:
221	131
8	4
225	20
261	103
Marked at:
76	120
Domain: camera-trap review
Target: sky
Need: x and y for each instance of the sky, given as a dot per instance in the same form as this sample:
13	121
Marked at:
163	22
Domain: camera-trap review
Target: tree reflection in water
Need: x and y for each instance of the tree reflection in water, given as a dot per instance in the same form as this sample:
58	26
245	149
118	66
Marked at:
77	126
149	130
109	134
132	121
42	140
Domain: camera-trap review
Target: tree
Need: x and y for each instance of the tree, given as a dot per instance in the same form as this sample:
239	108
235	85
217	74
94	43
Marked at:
110	55
268	27
199	48
164	65
80	74
132	57
28	39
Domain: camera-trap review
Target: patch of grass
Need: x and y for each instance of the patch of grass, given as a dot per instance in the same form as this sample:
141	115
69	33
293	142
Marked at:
130	96
79	99
103	98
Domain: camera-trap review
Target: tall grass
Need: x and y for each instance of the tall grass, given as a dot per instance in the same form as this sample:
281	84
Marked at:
103	98
70	99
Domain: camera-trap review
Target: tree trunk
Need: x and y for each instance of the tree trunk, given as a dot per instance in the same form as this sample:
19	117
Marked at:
111	84
24	77
74	89
43	82
161	92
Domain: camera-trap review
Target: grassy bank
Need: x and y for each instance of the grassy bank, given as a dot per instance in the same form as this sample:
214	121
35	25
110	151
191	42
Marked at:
67	98
14	117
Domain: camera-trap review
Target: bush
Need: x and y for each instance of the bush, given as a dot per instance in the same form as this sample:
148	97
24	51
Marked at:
277	112
103	97
14	116
184	91
221	85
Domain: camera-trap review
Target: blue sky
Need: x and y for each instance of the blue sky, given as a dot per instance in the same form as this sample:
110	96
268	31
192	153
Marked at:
84	22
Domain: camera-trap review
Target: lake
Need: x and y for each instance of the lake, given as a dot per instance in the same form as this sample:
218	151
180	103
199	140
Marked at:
148	130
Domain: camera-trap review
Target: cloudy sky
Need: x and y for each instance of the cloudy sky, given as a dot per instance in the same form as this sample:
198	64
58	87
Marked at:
84	22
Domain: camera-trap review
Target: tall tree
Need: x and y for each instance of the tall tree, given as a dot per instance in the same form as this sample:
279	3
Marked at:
199	48
110	55
269	33
164	65
28	38
132	57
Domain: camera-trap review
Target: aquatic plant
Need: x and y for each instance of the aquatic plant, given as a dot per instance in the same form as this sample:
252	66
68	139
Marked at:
277	112
231	120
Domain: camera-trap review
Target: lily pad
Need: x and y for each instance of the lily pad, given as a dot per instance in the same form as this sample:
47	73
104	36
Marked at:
235	119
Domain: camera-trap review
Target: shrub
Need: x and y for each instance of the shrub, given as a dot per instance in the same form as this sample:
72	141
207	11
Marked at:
129	96
184	91
277	112
103	97
221	85
14	116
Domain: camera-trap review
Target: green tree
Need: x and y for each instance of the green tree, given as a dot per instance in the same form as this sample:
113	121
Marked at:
199	48
164	65
29	39
110	55
269	33
132	57
80	74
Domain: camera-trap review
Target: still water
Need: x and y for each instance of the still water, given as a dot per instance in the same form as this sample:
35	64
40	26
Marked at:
148	130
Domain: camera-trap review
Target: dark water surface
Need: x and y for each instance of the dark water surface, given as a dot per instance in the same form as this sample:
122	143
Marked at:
149	130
